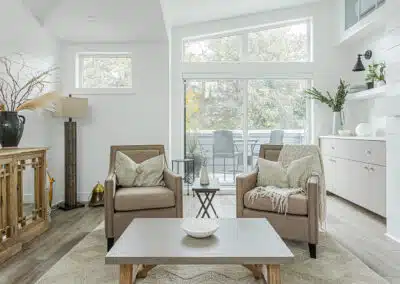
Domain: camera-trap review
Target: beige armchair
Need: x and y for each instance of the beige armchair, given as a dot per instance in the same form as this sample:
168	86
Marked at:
122	205
301	221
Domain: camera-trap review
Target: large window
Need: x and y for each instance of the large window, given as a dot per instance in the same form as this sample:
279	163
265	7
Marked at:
104	71
283	42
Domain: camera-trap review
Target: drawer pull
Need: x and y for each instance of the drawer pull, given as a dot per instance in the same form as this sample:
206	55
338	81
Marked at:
332	160
368	152
333	147
372	169
365	167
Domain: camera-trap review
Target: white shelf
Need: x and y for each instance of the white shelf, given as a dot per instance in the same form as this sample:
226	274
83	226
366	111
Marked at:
368	94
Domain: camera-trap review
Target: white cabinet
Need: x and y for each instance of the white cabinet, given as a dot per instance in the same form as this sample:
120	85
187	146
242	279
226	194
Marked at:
358	18
355	169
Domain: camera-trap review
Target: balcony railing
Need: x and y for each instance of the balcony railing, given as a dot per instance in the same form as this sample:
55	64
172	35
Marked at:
226	169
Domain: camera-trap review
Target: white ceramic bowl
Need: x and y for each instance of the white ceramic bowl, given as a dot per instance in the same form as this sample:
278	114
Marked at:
200	228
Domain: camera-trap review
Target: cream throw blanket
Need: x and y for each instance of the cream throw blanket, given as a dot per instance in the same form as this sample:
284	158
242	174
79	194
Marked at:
280	196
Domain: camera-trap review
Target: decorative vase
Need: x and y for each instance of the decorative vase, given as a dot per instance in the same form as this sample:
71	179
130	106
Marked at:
11	128
380	84
336	122
204	179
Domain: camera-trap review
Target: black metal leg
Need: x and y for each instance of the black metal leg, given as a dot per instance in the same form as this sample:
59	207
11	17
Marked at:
213	166
202	206
224	170
210	203
208	198
234	167
313	250
110	243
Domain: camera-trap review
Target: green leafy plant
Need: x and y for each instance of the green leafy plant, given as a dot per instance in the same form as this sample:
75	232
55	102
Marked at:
335	102
372	73
382	72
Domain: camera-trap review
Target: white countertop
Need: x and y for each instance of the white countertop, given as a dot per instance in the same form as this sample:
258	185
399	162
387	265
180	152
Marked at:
373	138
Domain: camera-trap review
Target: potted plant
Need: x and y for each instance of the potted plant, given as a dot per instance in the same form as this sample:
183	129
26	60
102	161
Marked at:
335	102
20	89
372	75
381	75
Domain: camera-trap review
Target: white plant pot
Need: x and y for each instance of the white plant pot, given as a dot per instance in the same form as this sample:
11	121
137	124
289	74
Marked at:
336	122
380	84
204	179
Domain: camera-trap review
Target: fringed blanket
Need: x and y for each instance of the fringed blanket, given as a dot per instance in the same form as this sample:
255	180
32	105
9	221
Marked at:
280	196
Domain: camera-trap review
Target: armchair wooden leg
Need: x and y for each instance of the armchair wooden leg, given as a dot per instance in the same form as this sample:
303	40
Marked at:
110	243
313	250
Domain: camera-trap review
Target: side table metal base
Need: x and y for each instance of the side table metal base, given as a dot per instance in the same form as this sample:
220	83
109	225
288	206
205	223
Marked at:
205	204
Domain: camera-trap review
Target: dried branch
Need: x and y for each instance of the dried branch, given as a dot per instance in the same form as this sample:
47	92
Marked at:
13	92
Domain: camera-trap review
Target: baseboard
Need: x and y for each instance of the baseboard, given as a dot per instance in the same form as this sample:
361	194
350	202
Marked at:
392	238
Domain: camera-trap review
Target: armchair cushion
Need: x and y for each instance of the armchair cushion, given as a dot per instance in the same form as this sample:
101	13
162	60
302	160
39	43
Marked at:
141	198
148	173
297	204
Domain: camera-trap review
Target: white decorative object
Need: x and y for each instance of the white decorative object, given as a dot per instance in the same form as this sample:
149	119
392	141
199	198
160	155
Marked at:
364	129
204	179
200	228
344	132
380	84
336	122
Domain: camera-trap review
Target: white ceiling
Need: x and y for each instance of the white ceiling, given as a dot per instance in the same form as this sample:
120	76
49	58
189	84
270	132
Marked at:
130	20
183	12
101	20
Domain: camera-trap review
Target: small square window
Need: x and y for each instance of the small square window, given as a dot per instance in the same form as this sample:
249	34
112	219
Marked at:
104	71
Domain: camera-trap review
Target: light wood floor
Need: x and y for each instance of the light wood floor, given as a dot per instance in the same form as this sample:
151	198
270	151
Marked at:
356	229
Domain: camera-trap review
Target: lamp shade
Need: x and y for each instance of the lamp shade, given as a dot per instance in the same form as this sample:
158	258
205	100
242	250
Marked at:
359	65
71	107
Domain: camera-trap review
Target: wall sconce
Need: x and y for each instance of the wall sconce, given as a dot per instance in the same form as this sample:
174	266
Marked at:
359	65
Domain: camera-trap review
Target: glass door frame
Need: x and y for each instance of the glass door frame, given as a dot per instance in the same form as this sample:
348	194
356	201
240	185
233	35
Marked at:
243	83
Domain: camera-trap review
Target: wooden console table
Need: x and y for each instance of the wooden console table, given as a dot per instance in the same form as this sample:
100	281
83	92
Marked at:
20	223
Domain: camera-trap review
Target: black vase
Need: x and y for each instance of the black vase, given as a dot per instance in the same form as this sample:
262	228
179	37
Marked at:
11	128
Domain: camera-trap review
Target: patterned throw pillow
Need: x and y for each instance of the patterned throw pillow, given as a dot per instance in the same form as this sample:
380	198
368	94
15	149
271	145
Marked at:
131	174
272	173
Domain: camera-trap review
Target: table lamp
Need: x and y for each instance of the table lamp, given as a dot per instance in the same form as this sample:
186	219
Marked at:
70	108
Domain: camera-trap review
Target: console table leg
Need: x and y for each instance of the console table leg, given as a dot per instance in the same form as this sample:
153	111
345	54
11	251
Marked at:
144	270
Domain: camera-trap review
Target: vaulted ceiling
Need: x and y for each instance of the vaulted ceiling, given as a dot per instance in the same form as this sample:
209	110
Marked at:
130	20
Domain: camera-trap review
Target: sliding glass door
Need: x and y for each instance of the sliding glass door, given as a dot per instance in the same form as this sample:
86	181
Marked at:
214	127
226	121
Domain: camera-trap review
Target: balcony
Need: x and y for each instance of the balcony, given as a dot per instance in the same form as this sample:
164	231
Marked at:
200	145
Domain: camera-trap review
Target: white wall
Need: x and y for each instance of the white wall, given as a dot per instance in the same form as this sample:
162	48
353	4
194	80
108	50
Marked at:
139	118
40	51
324	70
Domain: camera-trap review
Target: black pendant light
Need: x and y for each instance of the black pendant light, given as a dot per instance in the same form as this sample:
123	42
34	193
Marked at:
359	65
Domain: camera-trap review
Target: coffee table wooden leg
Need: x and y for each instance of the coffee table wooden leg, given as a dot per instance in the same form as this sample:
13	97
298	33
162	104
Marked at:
144	270
127	273
272	273
255	269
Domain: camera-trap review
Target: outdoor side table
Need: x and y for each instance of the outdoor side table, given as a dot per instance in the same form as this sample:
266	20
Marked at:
188	170
209	192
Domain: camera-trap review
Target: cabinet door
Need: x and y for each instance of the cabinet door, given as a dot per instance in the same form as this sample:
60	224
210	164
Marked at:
366	7
351	13
352	180
330	173
376	197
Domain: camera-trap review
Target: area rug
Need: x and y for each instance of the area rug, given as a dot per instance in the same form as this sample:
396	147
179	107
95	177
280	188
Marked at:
84	264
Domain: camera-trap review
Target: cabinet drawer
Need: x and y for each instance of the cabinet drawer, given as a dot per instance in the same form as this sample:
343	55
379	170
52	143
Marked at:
366	151
328	147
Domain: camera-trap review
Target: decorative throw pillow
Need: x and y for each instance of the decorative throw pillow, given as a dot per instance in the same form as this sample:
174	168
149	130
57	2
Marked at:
148	173
272	173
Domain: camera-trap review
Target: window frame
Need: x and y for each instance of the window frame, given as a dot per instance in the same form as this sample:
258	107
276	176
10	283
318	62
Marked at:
79	56
244	34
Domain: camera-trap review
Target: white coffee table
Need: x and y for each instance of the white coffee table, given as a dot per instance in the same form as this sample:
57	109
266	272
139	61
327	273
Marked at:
147	242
